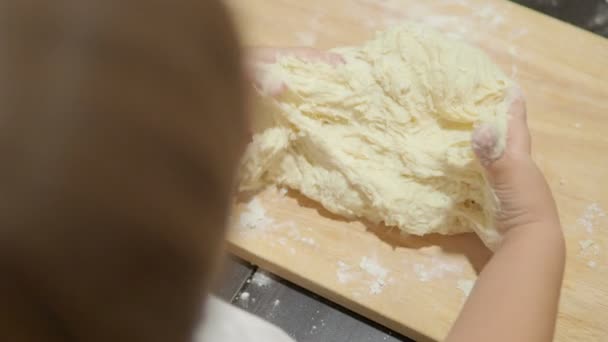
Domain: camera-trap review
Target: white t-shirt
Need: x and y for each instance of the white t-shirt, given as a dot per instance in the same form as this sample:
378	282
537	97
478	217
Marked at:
226	323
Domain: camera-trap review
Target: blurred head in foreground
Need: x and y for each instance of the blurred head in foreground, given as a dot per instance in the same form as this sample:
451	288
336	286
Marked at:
121	126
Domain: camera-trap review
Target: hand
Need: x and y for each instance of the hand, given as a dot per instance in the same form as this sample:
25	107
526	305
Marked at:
523	194
524	276
267	55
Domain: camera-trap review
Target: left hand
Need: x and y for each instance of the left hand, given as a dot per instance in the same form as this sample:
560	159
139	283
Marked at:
267	55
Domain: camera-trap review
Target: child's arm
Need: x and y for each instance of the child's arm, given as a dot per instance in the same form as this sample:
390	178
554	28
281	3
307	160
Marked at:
516	296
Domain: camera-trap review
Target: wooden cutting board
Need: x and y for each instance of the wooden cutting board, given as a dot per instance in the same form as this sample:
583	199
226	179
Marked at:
417	285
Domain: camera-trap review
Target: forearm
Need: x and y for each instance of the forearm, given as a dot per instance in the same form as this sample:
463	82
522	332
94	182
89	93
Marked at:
516	296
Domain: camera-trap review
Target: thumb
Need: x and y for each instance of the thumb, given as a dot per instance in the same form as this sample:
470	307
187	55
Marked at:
486	144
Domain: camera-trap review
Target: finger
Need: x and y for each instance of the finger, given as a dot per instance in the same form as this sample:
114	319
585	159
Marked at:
485	139
518	136
264	55
267	85
270	55
314	55
485	144
495	161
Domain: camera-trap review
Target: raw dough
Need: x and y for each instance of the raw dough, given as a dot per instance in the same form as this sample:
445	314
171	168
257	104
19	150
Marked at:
385	136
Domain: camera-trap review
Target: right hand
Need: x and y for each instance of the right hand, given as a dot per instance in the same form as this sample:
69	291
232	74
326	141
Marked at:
524	196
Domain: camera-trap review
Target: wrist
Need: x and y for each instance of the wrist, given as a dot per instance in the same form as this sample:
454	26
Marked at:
545	236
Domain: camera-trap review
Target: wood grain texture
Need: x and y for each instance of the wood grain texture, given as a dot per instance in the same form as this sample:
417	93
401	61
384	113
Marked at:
564	73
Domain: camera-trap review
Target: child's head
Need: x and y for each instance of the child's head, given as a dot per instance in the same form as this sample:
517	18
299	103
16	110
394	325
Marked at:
123	124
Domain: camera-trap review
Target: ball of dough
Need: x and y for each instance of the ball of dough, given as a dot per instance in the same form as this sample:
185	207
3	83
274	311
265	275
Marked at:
385	136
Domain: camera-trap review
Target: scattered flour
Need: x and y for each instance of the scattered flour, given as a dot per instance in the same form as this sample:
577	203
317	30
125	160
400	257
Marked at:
490	15
590	216
261	279
465	285
472	24
254	217
295	234
588	248
376	286
344	273
584	244
244	296
436	269
276	302
374	269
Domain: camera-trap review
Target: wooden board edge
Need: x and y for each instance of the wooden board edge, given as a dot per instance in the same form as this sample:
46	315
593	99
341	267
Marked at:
324	292
555	21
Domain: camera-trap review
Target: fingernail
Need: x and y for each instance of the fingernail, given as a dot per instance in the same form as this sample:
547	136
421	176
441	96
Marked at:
267	83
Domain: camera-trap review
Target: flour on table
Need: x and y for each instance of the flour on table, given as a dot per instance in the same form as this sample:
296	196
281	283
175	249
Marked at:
584	244
379	273
386	135
344	272
254	217
261	279
490	15
588	248
590	216
295	234
436	269
372	267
